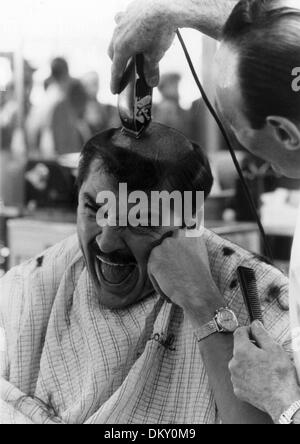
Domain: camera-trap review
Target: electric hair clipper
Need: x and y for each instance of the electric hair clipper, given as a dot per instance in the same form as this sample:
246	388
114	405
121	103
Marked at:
135	99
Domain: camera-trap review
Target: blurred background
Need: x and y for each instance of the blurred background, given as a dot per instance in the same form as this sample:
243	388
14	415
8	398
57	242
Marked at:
54	95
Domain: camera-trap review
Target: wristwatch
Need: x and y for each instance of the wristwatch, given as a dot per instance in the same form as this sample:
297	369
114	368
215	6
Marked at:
225	321
288	416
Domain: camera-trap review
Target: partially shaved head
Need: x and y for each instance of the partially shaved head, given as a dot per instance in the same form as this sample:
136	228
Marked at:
163	159
159	143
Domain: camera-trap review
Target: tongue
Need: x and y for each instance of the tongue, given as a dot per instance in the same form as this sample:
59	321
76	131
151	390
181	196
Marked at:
115	275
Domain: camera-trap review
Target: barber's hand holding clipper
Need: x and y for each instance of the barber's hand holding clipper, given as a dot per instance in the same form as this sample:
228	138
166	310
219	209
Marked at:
149	27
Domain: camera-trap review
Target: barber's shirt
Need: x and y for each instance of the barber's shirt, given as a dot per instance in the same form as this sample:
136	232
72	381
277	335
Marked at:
295	295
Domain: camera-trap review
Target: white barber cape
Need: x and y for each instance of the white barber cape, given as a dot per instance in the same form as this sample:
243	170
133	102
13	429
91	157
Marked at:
295	295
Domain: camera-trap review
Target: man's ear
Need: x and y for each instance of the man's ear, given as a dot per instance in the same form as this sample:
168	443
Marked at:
285	131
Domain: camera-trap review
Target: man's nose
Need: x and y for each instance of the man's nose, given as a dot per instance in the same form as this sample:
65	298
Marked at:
110	240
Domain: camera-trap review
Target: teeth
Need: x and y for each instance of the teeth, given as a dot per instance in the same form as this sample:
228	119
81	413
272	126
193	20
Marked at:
111	264
108	263
114	274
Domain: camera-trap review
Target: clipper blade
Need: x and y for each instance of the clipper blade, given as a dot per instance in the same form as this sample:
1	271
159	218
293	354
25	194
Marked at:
135	99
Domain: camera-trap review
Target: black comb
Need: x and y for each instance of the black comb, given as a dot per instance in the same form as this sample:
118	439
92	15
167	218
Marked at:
135	99
249	289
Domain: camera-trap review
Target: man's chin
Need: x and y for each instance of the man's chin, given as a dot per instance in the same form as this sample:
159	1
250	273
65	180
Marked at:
122	301
113	302
121	296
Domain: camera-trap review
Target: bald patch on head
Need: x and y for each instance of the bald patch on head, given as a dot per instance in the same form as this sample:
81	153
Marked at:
158	142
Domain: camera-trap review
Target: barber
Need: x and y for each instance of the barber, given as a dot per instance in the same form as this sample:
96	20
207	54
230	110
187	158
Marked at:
256	101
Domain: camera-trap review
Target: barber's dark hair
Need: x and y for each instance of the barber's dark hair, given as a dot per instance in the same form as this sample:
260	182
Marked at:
268	43
163	160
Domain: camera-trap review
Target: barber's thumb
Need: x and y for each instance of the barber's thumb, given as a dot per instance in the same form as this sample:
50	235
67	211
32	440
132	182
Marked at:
151	71
261	336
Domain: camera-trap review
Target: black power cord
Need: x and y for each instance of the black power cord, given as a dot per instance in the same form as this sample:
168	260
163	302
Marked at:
230	147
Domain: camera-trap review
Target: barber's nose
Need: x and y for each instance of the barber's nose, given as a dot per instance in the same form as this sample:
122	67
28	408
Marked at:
109	240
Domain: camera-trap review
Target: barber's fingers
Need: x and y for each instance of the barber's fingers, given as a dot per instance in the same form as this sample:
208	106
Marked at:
111	49
151	70
262	338
242	339
254	338
244	347
120	60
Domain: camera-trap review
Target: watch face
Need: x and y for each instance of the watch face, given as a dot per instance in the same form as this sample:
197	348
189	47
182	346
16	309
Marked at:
227	320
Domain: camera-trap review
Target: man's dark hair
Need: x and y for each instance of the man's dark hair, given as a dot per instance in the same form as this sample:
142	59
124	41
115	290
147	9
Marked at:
267	39
163	160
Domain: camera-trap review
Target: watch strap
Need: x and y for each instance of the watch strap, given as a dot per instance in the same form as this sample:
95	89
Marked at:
207	330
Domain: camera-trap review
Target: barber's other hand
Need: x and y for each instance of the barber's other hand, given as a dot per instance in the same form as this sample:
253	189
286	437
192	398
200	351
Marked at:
146	27
179	269
263	375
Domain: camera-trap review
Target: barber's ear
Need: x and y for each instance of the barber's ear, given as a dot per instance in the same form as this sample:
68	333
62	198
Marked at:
285	131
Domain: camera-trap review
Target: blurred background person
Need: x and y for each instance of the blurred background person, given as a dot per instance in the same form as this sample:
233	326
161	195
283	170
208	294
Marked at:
59	79
169	111
40	125
7	117
69	127
98	116
9	110
57	124
14	143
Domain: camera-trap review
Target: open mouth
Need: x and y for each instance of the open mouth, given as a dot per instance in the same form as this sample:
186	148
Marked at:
114	274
